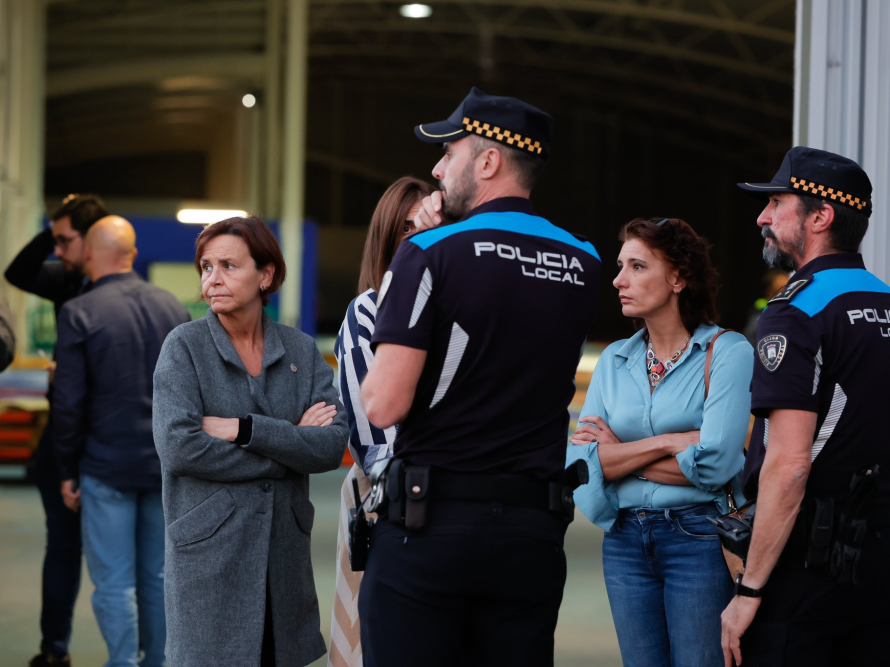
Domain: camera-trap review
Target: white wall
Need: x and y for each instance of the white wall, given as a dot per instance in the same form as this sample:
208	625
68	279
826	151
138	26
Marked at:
842	99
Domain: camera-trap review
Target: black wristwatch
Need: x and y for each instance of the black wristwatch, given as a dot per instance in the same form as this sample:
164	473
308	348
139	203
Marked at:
745	591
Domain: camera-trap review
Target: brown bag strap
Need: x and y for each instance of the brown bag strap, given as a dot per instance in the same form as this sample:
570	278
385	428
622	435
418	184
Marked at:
710	357
727	489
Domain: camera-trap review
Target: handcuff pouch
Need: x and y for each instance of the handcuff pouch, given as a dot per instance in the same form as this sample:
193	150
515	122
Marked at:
417	486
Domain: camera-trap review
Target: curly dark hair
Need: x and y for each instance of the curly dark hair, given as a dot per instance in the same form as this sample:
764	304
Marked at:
687	252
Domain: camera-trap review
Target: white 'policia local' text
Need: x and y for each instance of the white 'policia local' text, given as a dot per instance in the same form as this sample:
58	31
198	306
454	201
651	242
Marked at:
541	259
871	315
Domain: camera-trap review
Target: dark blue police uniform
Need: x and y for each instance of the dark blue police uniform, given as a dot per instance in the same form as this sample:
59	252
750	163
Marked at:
501	301
824	347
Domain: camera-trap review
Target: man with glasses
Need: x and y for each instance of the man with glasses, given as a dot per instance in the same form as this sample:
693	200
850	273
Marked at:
58	282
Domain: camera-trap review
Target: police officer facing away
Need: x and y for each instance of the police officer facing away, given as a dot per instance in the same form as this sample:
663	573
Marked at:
468	567
817	576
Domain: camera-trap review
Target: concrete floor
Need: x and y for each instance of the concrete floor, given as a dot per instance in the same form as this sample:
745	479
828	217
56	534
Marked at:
585	635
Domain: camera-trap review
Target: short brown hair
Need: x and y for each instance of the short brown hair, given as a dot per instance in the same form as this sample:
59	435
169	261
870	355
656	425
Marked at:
385	230
527	167
82	210
687	252
849	226
261	243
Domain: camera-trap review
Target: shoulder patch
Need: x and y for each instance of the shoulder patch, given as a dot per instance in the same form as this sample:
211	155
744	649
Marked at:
790	290
771	350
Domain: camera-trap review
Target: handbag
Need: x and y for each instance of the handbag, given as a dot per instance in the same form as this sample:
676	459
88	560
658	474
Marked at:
735	564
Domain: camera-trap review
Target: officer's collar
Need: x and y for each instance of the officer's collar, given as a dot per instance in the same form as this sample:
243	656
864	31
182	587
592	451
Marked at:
837	260
503	205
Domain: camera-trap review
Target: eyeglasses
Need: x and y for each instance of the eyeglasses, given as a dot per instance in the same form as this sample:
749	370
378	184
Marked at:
64	241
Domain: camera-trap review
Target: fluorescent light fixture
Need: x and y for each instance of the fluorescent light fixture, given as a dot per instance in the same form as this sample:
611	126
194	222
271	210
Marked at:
206	216
248	100
415	11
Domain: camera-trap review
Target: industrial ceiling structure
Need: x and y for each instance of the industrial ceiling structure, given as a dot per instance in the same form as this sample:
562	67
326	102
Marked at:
659	105
136	77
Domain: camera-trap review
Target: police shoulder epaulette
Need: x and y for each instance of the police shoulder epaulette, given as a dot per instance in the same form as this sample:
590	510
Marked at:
790	290
580	237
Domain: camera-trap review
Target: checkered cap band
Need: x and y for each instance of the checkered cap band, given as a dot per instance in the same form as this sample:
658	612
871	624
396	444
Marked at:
504	136
828	193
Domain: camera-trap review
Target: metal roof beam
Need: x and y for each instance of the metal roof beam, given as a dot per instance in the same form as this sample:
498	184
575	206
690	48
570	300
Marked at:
650	12
554	35
594	70
247	67
128	16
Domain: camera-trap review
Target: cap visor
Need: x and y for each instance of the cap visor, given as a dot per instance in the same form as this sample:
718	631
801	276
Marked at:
763	190
439	133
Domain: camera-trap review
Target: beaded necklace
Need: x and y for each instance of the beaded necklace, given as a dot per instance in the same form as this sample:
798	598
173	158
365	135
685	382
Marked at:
657	369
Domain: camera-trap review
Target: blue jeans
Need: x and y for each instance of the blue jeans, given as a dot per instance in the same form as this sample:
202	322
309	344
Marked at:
123	540
668	584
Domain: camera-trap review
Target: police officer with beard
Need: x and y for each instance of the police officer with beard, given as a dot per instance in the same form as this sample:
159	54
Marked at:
817	574
480	325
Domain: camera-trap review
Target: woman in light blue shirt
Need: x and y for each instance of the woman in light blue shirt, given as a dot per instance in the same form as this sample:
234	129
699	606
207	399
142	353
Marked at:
660	454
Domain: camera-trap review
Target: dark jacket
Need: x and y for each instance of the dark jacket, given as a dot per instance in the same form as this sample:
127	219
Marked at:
238	516
109	342
32	273
7	335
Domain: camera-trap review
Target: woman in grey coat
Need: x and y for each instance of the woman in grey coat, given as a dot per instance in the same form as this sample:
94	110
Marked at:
244	411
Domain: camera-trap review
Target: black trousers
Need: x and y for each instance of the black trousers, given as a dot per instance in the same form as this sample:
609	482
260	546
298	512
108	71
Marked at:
808	618
62	562
480	585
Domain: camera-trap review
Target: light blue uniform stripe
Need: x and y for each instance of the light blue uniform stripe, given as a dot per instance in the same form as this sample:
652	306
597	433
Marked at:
829	284
511	221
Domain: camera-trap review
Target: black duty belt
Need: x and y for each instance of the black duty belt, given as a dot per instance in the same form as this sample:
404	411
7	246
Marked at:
402	492
517	490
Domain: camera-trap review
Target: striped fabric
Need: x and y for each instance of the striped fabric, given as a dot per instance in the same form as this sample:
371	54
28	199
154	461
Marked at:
457	345
838	403
367	444
346	647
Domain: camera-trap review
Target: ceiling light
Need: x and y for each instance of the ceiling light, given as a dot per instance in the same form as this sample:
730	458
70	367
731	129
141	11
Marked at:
248	100
206	216
415	11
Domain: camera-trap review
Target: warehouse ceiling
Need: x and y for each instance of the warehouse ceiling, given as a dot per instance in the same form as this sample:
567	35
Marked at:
127	75
651	99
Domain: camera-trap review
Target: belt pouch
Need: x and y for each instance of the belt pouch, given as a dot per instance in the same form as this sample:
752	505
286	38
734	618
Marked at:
820	512
417	485
395	498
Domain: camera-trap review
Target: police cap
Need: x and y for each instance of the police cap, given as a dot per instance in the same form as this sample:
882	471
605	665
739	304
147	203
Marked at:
503	119
816	173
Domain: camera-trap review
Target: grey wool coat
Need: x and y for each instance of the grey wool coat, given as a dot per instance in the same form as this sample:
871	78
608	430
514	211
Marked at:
238	517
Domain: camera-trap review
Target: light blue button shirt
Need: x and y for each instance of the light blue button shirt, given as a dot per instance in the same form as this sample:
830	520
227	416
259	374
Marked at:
619	393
